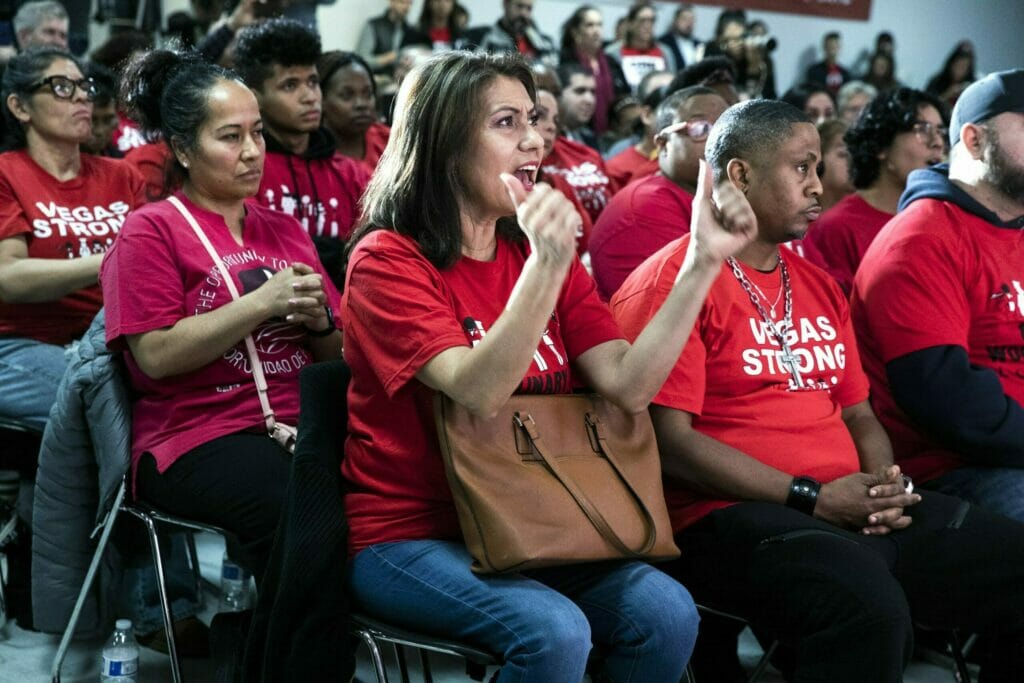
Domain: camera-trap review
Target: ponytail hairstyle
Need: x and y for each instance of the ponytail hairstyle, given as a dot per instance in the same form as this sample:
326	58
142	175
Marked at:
166	93
21	75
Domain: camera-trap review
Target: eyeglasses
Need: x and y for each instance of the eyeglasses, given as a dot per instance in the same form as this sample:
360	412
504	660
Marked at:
695	130
924	130
63	88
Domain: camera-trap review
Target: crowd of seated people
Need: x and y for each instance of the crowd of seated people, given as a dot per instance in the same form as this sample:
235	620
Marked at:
839	421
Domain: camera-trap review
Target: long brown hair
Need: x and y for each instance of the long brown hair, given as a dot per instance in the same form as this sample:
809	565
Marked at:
420	180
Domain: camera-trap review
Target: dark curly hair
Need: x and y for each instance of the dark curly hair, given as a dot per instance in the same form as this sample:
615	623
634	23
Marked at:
882	120
285	42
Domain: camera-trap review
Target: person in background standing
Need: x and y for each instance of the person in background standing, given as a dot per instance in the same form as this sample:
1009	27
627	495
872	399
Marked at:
829	73
382	36
678	39
639	54
582	43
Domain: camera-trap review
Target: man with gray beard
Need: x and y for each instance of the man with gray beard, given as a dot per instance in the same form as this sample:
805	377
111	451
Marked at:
938	305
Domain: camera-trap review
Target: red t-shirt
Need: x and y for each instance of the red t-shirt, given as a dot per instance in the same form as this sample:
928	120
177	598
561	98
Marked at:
62	220
440	38
323	194
638	63
399	311
730	377
151	161
560	183
158	273
583	168
939	276
642	218
377	136
837	241
629	165
128	135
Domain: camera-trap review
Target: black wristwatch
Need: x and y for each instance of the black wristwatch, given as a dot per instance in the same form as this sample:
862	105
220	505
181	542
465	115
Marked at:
803	494
327	331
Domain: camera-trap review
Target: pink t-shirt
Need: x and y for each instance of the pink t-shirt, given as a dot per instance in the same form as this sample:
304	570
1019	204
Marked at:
158	273
399	311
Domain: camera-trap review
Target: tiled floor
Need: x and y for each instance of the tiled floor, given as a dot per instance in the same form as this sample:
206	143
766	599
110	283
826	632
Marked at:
26	657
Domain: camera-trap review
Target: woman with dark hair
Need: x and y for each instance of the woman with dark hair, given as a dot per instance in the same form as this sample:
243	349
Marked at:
583	44
440	26
812	99
957	73
463	279
835	161
200	447
350	107
897	133
639	53
60	210
881	72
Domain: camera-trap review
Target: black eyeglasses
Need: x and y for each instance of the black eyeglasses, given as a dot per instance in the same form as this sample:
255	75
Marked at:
63	88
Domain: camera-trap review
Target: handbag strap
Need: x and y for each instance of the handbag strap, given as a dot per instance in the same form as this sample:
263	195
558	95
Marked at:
250	345
529	429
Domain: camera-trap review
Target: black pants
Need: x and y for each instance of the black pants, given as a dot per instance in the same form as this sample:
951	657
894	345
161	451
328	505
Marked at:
845	602
236	482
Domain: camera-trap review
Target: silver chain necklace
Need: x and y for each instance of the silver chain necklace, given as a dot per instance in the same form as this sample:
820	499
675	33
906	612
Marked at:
788	358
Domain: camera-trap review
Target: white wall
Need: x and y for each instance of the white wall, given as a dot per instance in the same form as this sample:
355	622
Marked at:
925	30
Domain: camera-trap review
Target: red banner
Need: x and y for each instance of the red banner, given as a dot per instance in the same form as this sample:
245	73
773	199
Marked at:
836	9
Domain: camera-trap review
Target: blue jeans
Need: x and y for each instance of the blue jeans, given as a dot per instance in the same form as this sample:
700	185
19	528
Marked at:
29	374
139	596
542	622
997	489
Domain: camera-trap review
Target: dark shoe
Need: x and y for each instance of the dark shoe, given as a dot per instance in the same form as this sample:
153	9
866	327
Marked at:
191	639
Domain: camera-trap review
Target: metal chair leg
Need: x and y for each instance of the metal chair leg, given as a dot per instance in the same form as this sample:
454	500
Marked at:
763	663
375	656
90	576
957	650
165	602
403	666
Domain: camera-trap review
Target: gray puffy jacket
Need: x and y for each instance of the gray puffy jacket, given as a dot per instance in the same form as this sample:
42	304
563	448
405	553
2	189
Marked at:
85	453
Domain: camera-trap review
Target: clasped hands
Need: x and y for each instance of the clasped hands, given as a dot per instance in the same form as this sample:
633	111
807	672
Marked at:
874	504
297	294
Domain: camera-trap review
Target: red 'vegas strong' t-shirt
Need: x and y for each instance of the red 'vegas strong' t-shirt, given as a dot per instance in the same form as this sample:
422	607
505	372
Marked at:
158	273
62	220
399	311
730	377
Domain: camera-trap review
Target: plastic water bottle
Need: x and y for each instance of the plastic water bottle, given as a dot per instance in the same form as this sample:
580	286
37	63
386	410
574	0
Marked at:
121	655
234	587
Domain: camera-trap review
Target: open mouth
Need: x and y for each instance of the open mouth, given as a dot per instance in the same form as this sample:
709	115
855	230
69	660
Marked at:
933	161
527	175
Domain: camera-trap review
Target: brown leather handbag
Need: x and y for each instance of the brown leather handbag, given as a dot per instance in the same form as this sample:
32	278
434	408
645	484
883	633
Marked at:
554	479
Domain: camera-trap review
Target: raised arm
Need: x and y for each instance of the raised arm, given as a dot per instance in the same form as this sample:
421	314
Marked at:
483	377
630	375
27	280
